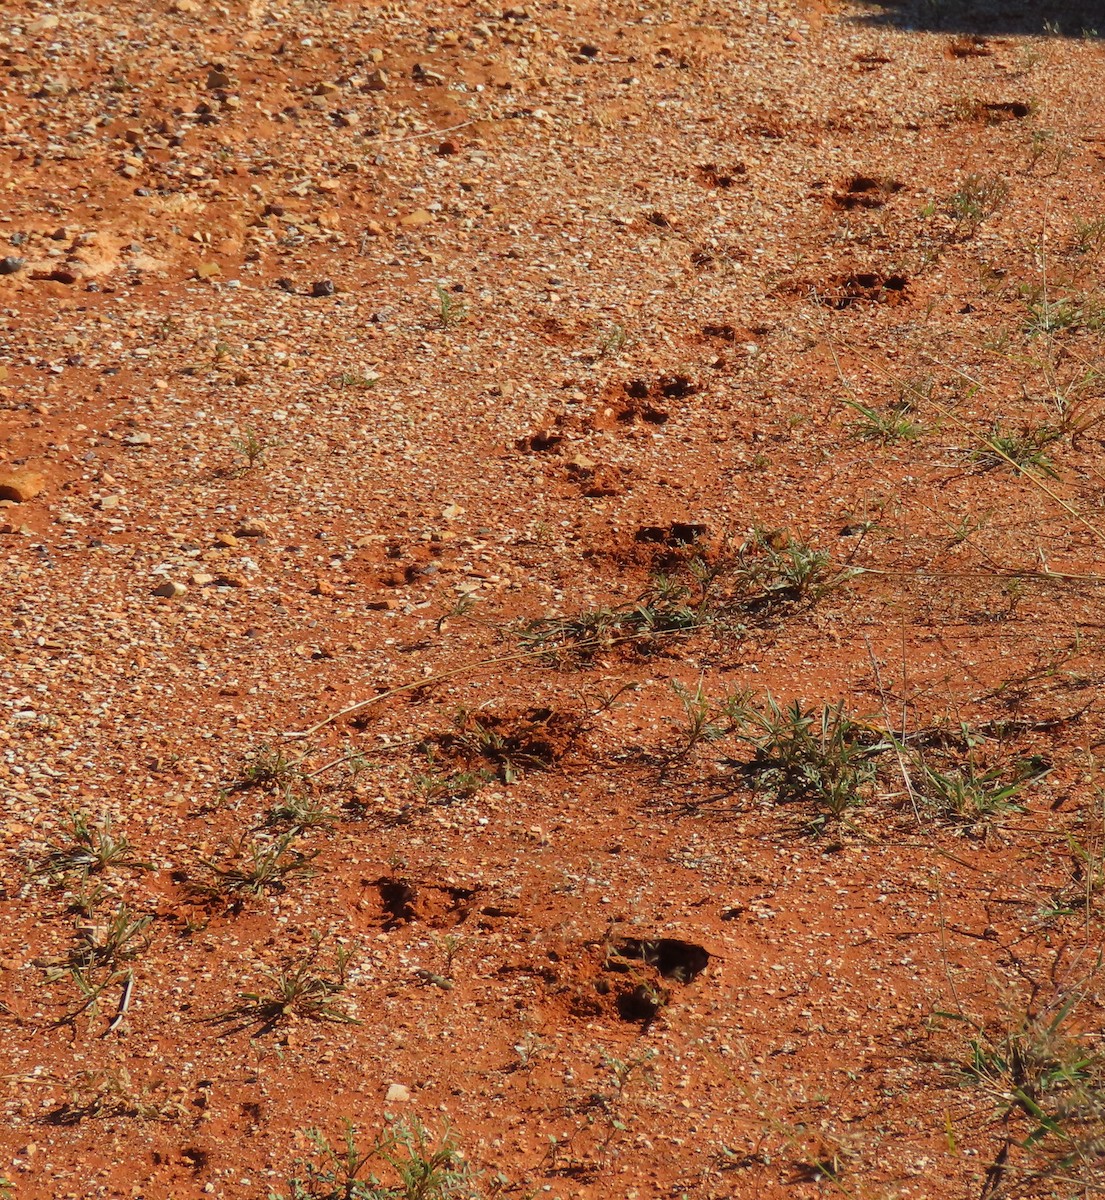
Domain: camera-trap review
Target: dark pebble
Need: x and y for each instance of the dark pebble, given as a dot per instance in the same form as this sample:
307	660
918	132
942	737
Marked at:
322	287
11	264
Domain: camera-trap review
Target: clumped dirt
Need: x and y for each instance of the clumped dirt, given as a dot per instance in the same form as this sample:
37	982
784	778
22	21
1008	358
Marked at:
551	563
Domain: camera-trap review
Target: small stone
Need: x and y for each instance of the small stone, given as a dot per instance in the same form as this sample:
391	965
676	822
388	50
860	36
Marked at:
201	578
231	579
65	275
321	288
107	503
373	229
185	6
217	79
377	81
43	25
20	484
447	147
416	219
397	1094
252	528
322	588
326	88
421	74
227	540
11	264
138	439
170	589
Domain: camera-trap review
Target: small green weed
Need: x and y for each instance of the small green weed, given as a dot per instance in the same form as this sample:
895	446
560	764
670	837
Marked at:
256	868
898	423
451	311
91	847
1045	1083
820	755
706	720
663	609
773	568
513	745
975	200
969	793
112	1093
269	766
613	341
1043	143
298	809
450	786
415	1164
1089	234
100	959
301	990
1048	317
105	947
1017	449
252	447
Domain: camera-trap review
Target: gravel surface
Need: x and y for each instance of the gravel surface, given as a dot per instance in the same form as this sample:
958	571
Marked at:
434	436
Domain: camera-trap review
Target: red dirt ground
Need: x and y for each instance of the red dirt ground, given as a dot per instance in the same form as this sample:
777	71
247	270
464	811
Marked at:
561	384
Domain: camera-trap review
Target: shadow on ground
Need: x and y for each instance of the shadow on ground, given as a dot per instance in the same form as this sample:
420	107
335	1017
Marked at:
1075	18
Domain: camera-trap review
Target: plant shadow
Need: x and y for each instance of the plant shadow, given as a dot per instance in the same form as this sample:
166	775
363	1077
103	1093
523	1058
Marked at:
1052	18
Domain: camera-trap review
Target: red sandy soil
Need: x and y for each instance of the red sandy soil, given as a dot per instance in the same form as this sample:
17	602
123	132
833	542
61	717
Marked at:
341	343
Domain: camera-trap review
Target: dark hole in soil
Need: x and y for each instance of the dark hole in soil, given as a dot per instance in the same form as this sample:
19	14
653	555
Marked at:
398	897
679	533
672	957
637	389
675	387
725	332
1006	110
872	287
196	1158
641	1004
682	533
543	440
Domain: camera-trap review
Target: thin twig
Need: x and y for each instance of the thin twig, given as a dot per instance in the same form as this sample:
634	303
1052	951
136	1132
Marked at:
428	133
893	739
124	1004
471	668
336	762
